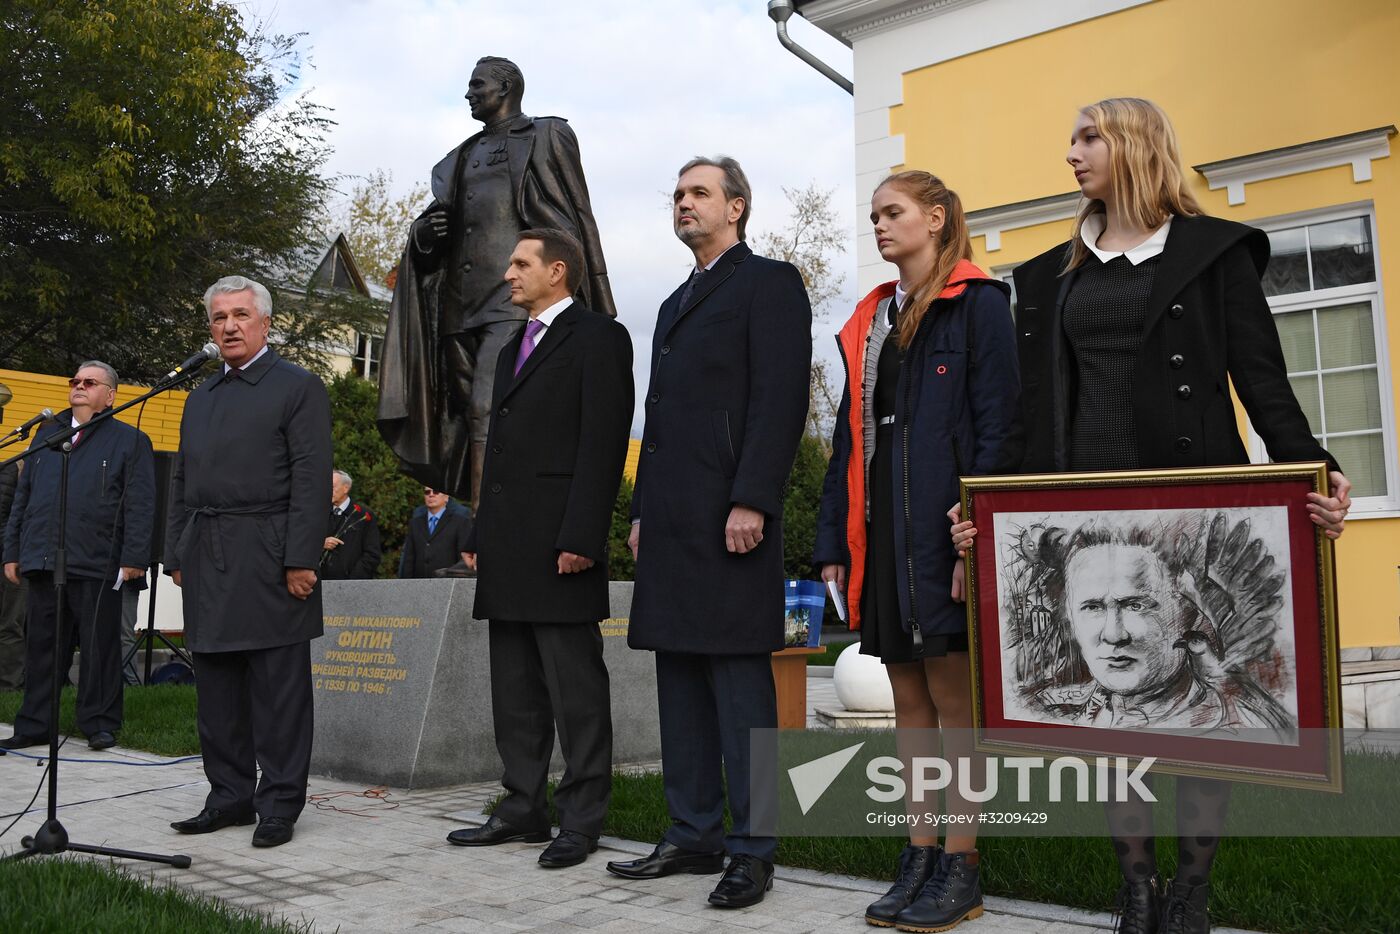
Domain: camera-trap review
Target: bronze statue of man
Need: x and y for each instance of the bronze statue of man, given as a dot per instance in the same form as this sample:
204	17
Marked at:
451	313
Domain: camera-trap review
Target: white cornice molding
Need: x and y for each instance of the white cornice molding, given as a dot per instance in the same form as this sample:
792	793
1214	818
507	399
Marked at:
1354	149
993	222
849	20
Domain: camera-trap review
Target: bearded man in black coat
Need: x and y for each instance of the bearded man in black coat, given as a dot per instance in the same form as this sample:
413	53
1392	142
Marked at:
247	526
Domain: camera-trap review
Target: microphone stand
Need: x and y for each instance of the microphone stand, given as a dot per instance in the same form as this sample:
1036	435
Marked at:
19	435
52	838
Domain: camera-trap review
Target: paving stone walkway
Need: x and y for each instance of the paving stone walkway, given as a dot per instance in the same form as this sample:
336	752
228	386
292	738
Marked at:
381	864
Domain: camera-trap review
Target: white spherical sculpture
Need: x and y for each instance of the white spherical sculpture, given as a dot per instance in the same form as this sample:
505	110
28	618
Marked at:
861	682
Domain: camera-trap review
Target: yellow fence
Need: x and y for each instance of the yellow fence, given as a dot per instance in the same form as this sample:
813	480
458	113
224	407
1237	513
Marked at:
34	392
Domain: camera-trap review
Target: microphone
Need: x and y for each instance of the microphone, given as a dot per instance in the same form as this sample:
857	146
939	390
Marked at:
209	351
23	430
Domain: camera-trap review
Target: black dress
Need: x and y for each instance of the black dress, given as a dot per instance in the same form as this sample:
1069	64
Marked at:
1103	317
882	631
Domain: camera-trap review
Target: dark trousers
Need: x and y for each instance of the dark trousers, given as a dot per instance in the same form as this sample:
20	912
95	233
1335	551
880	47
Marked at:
255	711
92	612
547	677
708	704
12	603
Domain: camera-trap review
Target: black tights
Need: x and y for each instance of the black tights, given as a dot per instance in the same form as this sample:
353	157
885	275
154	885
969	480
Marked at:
1201	807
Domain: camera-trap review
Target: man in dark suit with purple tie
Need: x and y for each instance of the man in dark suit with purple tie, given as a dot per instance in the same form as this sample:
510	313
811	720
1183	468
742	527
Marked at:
554	456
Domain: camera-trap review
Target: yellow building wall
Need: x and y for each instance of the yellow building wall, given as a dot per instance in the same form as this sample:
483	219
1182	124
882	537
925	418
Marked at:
34	392
1236	78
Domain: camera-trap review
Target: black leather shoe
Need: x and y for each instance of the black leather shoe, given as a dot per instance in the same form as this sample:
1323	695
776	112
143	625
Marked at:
952	895
744	883
916	864
212	819
1184	910
667	859
1139	906
274	831
101	740
19	741
568	849
496	831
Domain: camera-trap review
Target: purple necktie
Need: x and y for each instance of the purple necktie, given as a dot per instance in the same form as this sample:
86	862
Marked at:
527	344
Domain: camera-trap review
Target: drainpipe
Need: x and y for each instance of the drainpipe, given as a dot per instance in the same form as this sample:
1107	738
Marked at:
780	11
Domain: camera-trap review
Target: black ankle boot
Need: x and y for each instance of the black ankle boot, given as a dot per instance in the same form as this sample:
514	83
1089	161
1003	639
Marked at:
1139	907
1184	911
951	896
916	864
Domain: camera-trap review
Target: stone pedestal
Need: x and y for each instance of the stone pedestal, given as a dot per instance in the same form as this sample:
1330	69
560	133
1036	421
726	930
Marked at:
403	688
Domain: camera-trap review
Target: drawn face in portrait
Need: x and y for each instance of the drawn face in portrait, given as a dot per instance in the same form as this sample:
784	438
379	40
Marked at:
1126	615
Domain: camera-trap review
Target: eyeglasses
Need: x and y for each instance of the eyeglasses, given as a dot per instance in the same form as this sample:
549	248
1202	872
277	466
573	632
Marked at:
87	382
429	491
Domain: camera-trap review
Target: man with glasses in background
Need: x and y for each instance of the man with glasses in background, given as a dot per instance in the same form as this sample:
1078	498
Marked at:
437	536
111	509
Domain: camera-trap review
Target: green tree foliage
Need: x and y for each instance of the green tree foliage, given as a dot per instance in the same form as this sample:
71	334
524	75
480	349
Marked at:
376	223
359	451
801	502
621	565
811	239
147	147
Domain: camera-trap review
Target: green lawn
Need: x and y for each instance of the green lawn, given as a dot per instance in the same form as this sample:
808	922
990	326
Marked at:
158	719
56	896
1313	885
827	656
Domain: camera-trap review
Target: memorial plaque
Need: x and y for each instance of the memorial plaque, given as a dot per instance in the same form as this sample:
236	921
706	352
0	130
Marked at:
403	691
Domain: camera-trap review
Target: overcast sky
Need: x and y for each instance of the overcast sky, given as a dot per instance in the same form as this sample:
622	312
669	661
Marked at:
645	86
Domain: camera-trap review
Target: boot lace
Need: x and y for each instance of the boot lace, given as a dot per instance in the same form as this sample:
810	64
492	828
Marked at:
937	885
1177	913
1126	919
911	863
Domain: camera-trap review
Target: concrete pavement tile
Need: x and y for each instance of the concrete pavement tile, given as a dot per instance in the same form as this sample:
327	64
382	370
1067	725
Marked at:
677	922
313	901
621	926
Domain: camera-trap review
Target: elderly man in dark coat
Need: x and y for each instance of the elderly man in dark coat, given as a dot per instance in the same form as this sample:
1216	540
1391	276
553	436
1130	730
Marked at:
728	399
111	501
557	446
451	313
247	525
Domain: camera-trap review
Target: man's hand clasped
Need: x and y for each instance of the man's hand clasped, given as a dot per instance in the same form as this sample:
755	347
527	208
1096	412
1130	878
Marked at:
743	531
300	582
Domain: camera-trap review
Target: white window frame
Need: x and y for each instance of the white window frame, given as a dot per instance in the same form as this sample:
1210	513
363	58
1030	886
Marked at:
362	364
1367	507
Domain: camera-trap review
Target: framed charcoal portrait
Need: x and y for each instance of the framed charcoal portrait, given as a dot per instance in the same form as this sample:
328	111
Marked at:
1188	615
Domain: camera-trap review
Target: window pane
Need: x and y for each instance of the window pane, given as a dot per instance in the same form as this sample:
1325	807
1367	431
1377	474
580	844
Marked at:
1348	339
1341	253
1353	400
1295	332
1363	461
1305	388
1288	262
